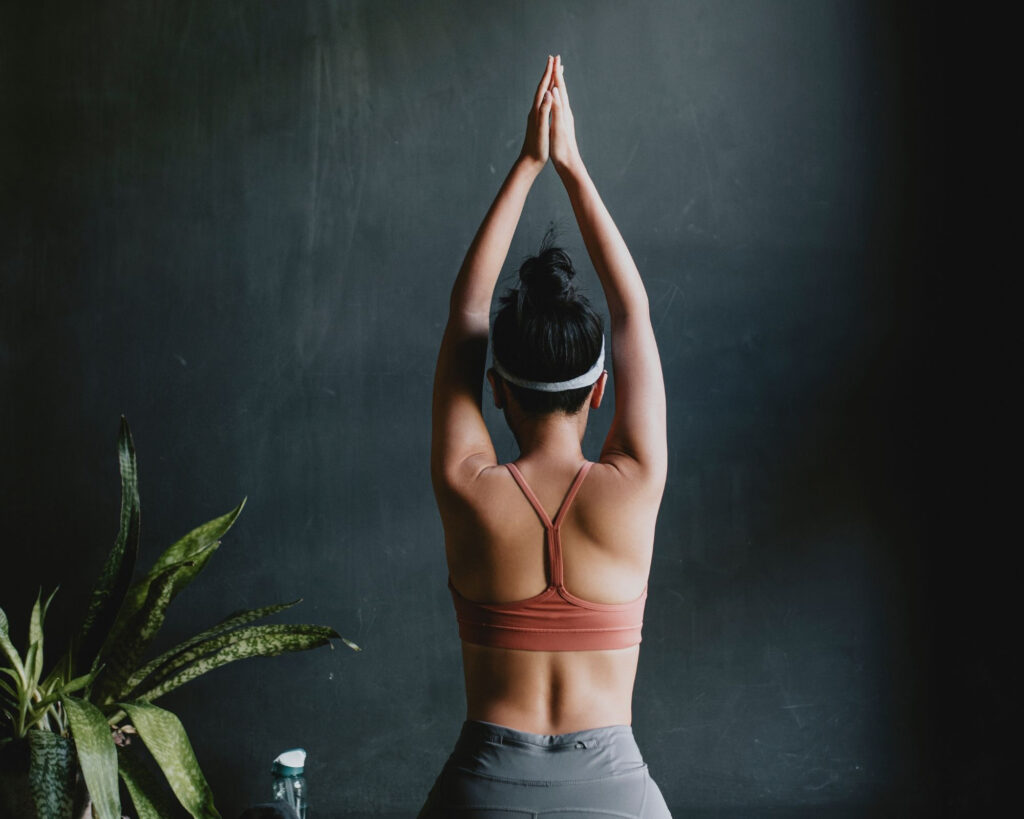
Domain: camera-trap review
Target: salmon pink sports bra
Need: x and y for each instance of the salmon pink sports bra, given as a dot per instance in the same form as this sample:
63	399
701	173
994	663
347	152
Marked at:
553	620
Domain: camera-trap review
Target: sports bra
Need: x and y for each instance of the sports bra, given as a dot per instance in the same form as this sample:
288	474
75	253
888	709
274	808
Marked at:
555	619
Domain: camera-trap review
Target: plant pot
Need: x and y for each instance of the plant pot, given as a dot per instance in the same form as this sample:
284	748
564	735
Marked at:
42	770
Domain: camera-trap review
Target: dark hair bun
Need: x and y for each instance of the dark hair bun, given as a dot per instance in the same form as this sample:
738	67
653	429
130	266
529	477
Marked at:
546	330
546	279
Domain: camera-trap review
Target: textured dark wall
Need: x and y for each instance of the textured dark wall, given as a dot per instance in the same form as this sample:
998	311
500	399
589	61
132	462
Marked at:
238	223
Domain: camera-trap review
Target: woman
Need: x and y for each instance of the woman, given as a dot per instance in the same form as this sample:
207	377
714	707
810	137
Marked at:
548	557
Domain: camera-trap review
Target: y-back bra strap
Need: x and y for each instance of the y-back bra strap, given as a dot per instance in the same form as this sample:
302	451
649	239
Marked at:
552	527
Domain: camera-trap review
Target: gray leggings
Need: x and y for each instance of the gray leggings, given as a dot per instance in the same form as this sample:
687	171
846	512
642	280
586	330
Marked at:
500	773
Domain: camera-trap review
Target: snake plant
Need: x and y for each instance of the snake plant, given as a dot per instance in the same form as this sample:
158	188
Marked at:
82	715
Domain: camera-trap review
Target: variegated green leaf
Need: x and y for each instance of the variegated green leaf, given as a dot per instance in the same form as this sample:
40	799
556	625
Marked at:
78	683
122	654
97	755
151	797
9	650
10	672
114	580
33	665
38	616
60	690
134	602
40	706
197	540
35	623
167	741
196	547
51	774
232	621
46	605
253	645
232	638
58	674
8	701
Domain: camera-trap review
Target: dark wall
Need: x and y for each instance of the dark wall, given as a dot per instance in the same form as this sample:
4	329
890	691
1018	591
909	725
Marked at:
238	224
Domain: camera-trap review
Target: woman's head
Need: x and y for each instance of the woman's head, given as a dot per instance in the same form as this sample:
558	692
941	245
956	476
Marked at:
546	331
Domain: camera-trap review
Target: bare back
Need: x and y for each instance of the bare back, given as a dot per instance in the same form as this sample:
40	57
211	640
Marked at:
495	542
495	546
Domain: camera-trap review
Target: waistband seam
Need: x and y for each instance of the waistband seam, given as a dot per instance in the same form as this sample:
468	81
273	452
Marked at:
547	783
587	738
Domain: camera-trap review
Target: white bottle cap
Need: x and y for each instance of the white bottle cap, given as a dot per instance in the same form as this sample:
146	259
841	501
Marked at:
290	763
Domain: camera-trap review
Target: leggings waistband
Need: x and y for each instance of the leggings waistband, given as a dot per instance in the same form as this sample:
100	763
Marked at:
489	749
477	730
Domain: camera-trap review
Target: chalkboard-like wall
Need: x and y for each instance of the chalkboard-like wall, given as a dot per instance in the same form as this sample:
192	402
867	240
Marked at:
237	223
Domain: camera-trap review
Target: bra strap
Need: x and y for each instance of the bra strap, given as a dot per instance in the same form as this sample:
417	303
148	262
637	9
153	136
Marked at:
552	528
571	496
534	502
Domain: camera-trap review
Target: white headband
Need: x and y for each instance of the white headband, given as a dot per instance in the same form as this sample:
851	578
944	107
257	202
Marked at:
585	380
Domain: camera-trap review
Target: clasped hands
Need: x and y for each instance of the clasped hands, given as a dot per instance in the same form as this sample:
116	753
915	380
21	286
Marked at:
556	139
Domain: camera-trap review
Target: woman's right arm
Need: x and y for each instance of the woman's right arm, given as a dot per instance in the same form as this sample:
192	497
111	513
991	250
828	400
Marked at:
637	441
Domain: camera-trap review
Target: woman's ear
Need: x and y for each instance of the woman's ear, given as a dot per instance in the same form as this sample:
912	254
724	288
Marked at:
598	393
497	389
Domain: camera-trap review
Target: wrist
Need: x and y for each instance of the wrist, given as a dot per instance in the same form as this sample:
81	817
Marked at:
528	165
572	171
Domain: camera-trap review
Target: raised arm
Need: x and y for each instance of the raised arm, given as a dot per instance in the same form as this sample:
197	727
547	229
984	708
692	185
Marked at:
460	444
637	439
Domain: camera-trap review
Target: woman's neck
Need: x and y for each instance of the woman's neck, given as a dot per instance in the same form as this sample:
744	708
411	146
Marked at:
555	434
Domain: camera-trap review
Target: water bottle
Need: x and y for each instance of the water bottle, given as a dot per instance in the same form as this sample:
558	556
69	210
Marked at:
289	783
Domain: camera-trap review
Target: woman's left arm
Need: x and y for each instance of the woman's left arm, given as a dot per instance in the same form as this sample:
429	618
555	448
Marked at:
460	444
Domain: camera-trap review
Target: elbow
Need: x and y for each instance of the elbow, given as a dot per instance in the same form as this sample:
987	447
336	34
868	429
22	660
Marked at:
636	307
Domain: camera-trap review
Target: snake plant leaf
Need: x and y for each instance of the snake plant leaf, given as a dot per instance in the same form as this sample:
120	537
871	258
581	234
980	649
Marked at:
51	773
10	672
79	683
46	605
9	650
33	665
58	674
149	795
97	755
45	702
164	736
35	623
298	638
232	621
35	627
113	582
123	655
8	700
60	690
196	547
140	591
230	638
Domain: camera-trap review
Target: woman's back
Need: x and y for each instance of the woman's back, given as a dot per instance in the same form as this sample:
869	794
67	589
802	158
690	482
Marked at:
497	553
